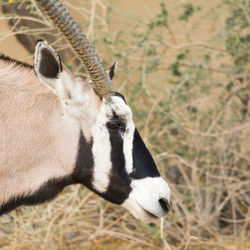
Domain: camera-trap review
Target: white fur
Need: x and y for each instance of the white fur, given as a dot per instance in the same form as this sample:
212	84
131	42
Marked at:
101	150
128	146
145	195
70	92
120	107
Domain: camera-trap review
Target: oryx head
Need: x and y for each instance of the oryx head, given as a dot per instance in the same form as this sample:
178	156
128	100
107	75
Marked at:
112	158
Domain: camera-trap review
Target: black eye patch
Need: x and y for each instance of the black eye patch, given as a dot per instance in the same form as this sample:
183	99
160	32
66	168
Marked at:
115	124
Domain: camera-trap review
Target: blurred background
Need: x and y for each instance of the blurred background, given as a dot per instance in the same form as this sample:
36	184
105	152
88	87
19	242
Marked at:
183	66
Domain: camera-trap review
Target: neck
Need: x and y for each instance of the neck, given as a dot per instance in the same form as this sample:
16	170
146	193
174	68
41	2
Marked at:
46	192
38	148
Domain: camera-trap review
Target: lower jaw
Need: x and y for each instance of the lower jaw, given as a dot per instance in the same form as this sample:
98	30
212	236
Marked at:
152	216
146	218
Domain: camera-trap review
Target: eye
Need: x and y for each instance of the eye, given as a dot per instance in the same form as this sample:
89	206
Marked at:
113	124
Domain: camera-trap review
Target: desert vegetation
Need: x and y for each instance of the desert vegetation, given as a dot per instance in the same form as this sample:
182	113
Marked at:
184	68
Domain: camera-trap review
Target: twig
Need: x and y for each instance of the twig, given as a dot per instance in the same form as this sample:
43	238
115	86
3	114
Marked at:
166	246
189	240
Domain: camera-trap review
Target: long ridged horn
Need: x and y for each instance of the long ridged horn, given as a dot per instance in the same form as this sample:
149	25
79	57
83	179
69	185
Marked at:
71	30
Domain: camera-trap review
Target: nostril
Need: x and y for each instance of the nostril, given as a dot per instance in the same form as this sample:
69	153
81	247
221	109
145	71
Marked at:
164	204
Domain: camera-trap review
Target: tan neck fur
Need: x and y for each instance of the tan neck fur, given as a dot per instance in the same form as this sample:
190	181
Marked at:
33	133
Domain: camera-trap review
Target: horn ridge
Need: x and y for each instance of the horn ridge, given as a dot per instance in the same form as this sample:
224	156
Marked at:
71	30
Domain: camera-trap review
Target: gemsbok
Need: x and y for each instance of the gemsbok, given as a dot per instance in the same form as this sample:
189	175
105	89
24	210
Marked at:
57	130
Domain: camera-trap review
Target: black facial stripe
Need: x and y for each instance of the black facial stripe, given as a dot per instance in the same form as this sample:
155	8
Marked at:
119	185
49	67
83	172
143	163
46	192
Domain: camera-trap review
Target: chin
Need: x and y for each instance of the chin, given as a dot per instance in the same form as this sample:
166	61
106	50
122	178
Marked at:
140	213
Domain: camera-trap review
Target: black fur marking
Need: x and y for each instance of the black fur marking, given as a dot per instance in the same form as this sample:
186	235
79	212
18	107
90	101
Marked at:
49	67
83	172
112	71
143	163
15	62
119	185
48	191
39	40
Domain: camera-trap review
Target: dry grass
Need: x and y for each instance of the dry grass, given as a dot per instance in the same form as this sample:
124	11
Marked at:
176	76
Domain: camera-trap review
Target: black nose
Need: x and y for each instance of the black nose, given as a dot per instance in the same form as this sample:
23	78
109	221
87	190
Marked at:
165	205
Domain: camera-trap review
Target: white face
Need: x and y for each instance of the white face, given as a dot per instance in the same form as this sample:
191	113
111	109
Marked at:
112	159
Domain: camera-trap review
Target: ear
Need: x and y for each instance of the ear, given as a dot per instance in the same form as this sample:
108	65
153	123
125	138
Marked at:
47	62
112	71
48	67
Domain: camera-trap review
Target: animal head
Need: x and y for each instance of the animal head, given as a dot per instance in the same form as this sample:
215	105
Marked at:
112	160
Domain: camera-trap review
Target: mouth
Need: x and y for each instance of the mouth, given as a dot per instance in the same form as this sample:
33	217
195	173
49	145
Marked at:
139	212
149	199
150	215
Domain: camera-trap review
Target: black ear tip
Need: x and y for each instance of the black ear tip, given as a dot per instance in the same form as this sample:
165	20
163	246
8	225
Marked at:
39	41
113	67
112	71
